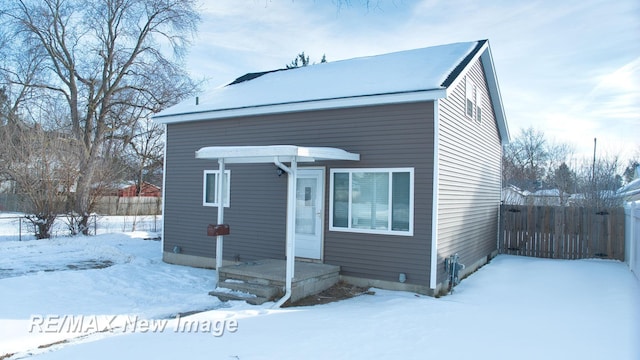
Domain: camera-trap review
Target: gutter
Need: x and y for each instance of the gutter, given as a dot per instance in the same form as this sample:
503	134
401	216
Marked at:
306	105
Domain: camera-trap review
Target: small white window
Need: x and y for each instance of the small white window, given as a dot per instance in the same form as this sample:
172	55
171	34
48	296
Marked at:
210	184
479	108
470	100
374	201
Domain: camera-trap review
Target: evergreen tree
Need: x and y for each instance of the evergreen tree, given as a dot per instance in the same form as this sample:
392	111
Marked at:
303	60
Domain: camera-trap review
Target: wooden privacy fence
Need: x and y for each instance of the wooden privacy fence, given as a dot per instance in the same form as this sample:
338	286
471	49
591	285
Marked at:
562	232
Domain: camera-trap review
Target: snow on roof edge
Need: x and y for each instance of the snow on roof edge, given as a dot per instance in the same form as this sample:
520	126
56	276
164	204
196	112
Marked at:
421	69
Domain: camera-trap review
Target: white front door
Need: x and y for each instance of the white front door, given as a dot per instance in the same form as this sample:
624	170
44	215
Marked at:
309	213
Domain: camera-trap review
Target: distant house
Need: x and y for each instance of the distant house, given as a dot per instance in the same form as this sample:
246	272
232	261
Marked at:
392	164
631	191
513	195
548	197
130	189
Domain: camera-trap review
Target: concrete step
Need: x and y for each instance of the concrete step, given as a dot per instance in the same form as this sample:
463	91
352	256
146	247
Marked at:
259	290
225	296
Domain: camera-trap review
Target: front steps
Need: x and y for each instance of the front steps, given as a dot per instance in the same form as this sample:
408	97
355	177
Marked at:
252	293
260	281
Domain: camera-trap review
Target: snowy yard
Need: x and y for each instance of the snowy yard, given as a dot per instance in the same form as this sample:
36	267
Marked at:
122	301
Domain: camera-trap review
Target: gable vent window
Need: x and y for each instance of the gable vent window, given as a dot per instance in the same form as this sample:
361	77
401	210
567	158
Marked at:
470	96
479	109
473	100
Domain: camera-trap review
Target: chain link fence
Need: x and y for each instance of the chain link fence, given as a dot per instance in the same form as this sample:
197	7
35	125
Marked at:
16	227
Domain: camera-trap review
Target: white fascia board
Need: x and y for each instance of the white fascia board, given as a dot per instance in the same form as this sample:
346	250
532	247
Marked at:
464	71
405	97
492	83
496	97
271	153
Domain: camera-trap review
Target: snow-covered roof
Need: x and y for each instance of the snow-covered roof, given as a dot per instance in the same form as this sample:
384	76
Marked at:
631	190
406	76
547	192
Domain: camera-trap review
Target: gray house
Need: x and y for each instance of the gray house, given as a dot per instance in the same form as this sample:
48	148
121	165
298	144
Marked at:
392	164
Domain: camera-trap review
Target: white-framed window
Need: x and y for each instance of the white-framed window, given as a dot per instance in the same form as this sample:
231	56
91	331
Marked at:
209	186
470	97
479	108
473	100
375	201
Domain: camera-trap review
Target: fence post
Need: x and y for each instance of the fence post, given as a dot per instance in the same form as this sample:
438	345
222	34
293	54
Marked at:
19	229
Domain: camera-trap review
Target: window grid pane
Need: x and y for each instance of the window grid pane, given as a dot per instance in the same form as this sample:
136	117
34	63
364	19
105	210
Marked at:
210	186
400	201
210	196
341	200
370	200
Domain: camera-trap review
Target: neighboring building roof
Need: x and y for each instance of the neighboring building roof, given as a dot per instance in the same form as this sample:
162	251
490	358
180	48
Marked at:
406	76
547	192
631	191
130	183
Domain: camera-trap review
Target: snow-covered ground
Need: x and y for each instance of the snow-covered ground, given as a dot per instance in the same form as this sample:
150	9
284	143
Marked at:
123	301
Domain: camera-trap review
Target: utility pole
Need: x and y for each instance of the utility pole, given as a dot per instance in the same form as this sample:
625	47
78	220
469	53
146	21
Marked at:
593	170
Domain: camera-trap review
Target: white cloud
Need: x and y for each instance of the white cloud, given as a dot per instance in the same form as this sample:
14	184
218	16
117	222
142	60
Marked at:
569	67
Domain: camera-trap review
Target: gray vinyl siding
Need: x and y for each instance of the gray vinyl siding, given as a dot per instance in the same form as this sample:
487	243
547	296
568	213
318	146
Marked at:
387	136
469	176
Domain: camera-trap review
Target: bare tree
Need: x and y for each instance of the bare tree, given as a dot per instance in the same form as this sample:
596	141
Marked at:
111	63
564	180
525	159
42	166
598	182
532	162
144	153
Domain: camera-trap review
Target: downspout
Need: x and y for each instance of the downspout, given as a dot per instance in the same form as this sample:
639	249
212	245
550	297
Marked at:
220	238
164	193
433	279
291	213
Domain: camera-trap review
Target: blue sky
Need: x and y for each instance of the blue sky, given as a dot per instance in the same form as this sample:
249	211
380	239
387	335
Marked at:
570	68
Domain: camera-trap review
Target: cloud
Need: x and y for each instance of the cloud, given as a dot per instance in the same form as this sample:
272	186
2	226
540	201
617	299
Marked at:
569	68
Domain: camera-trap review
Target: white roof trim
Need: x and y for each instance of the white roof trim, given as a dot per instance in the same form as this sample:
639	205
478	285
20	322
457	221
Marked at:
496	96
484	53
267	154
414	96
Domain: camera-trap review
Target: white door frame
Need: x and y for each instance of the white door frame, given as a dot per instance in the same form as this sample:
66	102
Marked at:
321	202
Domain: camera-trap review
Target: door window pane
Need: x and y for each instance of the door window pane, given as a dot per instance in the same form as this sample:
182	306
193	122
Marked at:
306	206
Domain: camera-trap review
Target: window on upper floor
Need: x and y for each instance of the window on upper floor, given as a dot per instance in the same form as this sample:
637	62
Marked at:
470	97
473	100
479	108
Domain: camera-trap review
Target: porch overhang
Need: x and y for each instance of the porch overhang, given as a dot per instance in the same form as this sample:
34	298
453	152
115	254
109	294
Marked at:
277	154
267	154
